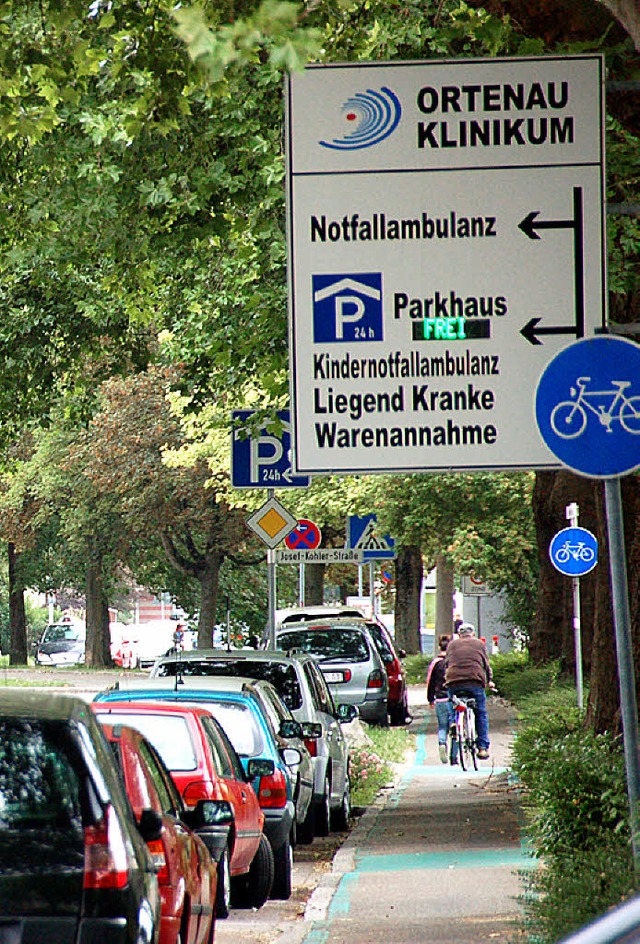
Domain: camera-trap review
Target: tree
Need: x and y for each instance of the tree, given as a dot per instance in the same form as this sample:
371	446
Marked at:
176	518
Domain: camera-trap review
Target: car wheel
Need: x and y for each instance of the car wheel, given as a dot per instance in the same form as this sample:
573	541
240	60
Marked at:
306	830
283	860
223	889
397	715
342	816
253	889
322	811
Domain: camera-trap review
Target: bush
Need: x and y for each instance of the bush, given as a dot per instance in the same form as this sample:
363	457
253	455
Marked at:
516	677
569	891
575	800
416	669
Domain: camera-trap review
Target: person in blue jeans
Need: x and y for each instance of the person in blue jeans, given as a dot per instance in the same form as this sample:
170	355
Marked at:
438	697
467	675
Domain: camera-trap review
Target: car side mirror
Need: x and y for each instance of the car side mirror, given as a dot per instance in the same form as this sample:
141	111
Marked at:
290	729
311	729
291	756
402	653
150	825
260	767
346	713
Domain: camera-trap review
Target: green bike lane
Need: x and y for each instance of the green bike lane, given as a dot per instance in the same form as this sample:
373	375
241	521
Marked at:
437	859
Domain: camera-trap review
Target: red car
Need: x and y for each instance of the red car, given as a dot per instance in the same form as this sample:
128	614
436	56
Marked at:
205	766
398	700
187	873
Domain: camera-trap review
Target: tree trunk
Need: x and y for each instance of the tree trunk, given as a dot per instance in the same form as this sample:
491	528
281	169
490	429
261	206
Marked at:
314	584
552	636
17	617
209	578
444	595
97	646
409	574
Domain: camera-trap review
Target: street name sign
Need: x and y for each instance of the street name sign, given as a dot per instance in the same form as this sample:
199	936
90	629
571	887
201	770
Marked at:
321	555
446	239
262	459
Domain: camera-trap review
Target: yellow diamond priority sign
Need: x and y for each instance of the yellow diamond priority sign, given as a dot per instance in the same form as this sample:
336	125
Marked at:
272	523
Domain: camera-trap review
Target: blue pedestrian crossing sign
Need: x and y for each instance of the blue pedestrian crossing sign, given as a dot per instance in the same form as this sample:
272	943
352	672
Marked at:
574	551
362	535
588	406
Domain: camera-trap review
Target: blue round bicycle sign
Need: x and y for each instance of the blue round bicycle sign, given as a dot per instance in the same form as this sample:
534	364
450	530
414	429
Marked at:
574	551
588	406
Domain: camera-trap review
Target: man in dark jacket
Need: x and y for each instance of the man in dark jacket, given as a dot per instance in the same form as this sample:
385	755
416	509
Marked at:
467	675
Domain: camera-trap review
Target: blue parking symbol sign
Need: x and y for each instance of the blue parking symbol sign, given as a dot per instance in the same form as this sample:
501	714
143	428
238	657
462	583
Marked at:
347	308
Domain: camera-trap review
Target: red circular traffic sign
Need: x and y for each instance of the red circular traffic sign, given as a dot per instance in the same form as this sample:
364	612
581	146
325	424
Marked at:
306	536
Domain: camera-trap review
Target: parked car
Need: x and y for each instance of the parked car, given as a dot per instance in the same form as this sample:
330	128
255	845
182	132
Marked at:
305	614
74	864
284	794
204	765
398	700
187	874
62	643
348	659
142	643
302	687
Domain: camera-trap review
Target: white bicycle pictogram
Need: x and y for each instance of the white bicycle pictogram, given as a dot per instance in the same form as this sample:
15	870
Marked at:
569	417
579	552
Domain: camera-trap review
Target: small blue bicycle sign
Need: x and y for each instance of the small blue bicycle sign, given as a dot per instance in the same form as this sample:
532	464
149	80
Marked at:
588	406
574	551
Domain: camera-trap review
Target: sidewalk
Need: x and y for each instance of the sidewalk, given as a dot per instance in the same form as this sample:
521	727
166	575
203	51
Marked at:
435	860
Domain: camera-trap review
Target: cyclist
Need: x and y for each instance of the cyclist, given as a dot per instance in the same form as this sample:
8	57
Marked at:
467	675
438	697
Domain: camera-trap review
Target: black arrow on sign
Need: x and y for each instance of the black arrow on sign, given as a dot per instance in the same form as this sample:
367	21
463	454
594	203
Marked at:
530	226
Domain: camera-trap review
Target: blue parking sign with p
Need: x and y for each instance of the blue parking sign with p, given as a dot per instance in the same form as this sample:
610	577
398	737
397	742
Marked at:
347	307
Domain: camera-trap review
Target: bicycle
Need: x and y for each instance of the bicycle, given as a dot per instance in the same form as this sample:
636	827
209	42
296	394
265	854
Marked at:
463	733
569	417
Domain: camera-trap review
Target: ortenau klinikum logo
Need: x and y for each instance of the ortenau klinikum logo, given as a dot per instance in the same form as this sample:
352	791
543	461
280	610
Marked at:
370	117
347	307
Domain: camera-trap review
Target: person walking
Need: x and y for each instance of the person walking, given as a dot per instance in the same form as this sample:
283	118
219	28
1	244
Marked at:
467	675
438	696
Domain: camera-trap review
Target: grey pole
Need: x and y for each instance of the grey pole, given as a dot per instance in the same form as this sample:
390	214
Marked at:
622	626
571	512
271	585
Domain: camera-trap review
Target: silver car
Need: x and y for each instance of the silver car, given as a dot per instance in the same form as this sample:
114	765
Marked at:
348	659
303	688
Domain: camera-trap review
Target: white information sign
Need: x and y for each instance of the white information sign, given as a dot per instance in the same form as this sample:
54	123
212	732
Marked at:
321	555
445	242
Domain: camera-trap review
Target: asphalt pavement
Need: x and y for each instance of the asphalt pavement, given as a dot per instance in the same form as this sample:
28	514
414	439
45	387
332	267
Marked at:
436	859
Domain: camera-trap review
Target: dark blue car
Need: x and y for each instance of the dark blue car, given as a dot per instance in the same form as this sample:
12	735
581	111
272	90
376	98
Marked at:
285	794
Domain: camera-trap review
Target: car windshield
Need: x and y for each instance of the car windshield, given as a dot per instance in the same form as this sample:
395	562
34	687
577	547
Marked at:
62	631
169	734
240	726
335	643
281	675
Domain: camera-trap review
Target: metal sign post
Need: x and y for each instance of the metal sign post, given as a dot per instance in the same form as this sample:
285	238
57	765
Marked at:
622	626
571	512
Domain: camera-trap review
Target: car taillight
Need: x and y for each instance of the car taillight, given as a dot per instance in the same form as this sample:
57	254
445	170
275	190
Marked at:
106	862
273	791
375	679
347	675
199	790
159	856
311	745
